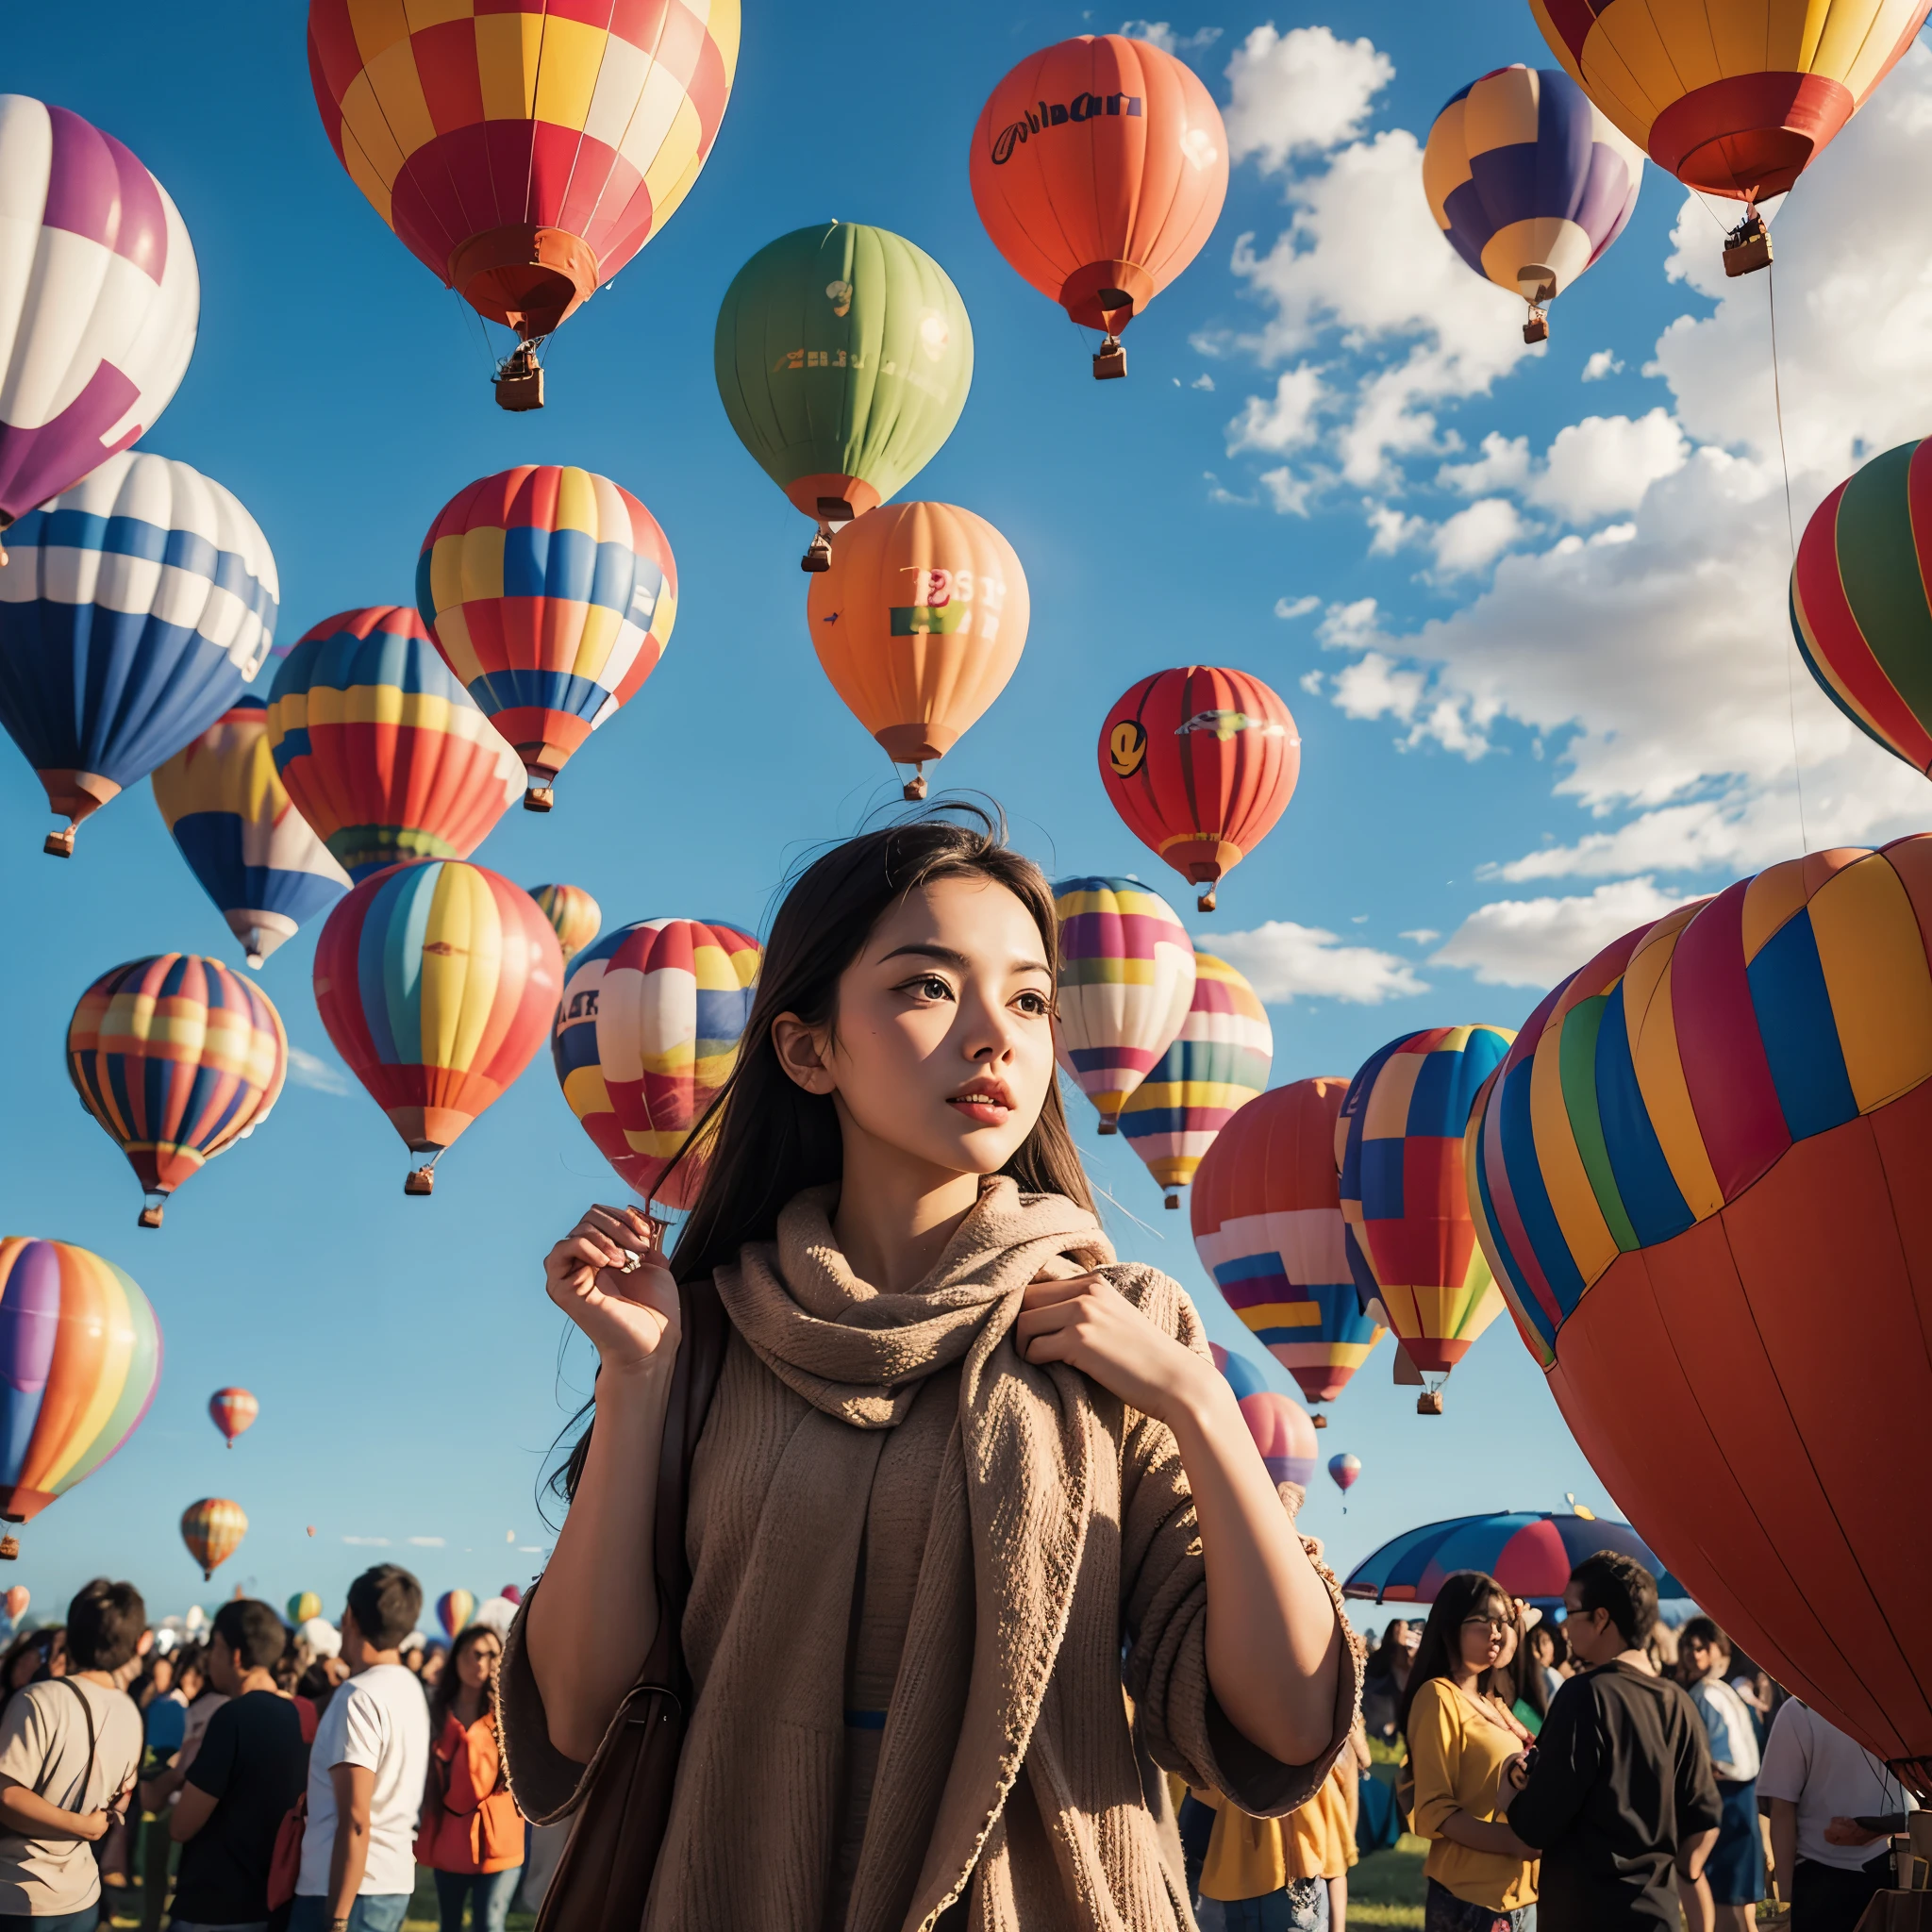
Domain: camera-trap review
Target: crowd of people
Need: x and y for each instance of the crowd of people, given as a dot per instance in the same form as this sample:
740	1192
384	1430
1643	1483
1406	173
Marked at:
267	1777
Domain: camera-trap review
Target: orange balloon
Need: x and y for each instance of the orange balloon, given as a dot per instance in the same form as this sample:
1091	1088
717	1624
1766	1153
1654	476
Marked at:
1099	168
919	622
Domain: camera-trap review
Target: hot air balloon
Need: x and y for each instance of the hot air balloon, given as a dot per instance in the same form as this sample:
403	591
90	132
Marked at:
843	355
1398	1149
137	604
1859	602
647	1034
1700	1178
232	1410
212	1530
17	1600
1735	98
80	1354
551	593
574	916
513	1593
98	302
436	981
525	154
1218	1062
303	1604
384	753
1280	1427
454	1608
1099	167
1267	1227
1127	980
1530	182
1200	763
919	624
1342	1471
256	855
178	1058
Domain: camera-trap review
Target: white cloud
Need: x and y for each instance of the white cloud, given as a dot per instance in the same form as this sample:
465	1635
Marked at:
1502	465
1535	941
1284	961
1282	422
1344	626
1299	92
1299	607
312	1069
1287	491
1390	531
429	1543
1473	539
1605	362
1421	936
1163	36
1374	687
1604	464
368	1542
1202	381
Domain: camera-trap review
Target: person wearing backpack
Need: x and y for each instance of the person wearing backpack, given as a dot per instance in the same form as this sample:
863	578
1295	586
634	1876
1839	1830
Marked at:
70	1748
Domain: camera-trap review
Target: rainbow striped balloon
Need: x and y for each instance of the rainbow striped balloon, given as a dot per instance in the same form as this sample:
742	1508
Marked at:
1398	1148
178	1057
80	1356
256	855
1218	1061
646	1035
575	917
212	1530
454	1609
551	593
437	982
382	750
1126	977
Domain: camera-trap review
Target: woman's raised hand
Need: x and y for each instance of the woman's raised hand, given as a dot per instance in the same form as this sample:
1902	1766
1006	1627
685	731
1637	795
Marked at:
1087	1321
607	1275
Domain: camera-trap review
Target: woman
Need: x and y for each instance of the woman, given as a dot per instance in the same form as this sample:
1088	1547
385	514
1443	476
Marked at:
1460	1734
1550	1655
1517	1680
958	1461
1735	1866
1382	1686
472	1834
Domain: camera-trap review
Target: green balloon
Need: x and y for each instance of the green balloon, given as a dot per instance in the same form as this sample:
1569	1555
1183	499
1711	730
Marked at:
303	1604
843	355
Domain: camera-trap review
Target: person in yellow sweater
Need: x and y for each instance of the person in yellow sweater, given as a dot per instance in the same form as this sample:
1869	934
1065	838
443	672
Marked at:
1481	1876
1283	1874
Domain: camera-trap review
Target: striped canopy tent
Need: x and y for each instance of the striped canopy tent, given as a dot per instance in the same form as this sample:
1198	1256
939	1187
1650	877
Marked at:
1530	1554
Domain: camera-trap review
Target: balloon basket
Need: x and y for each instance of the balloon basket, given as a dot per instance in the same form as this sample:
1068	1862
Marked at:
539	797
149	1216
60	844
1109	360
10	1549
914	789
1747	247
519	381
818	554
1321	1421
1109	1126
1429	1402
1206	902
1173	1202
1536	330
419	1180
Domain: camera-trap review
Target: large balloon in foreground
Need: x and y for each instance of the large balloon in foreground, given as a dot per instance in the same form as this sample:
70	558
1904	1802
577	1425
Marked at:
1218	1062
1398	1150
1734	97
647	1034
212	1530
137	606
919	624
523	151
1529	182
454	1609
1099	166
551	593
842	355
256	855
384	753
575	917
1127	980
303	1606
232	1410
1200	762
1859	608
1267	1227
1702	1179
437	982
178	1057
80	1354
99	296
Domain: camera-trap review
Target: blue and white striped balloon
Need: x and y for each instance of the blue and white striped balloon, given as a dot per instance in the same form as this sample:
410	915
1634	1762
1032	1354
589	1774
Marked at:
135	609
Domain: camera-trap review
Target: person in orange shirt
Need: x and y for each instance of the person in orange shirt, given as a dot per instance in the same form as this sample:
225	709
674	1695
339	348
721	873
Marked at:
472	1833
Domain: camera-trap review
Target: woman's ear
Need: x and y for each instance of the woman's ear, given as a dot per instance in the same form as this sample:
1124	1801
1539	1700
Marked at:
801	1051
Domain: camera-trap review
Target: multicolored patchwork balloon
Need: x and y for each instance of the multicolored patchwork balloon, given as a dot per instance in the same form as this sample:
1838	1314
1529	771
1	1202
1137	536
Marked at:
178	1057
551	593
1267	1227
454	1609
303	1604
212	1530
1218	1062
1398	1149
574	916
1127	980
256	855
232	1410
384	753
80	1356
437	981
99	299
1280	1426
136	607
645	1037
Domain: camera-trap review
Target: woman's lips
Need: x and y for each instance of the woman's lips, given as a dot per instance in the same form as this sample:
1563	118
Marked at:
983	1108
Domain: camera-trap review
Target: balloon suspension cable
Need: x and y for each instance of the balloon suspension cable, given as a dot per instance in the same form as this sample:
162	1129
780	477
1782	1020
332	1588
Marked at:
60	844
1535	328
914	788
150	1216
1791	649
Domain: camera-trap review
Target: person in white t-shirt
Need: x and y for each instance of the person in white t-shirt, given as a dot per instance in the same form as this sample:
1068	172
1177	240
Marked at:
1735	1869
366	1770
1820	1783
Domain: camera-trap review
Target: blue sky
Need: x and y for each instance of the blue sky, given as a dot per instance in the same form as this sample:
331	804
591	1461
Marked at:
1536	648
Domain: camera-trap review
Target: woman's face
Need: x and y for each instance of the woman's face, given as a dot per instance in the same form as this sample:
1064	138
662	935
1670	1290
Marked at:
477	1666
941	1047
1488	1637
1542	1646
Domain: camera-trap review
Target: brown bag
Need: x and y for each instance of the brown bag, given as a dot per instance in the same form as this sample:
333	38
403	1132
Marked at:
604	1876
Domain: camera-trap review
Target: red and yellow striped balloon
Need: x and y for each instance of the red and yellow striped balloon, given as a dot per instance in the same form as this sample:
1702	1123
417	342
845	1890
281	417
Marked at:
573	915
178	1059
212	1530
232	1410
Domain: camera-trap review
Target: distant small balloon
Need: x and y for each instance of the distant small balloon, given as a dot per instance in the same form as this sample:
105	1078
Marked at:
233	1410
303	1604
513	1593
1342	1471
17	1601
454	1608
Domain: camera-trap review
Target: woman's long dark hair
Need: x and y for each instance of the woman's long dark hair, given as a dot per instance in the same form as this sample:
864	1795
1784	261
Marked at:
766	1138
1466	1593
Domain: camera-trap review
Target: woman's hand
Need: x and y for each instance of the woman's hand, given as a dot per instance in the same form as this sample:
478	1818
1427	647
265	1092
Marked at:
607	1275
1088	1322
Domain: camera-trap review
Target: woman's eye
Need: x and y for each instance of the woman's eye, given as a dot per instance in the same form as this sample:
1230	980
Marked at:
932	987
1034	1005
